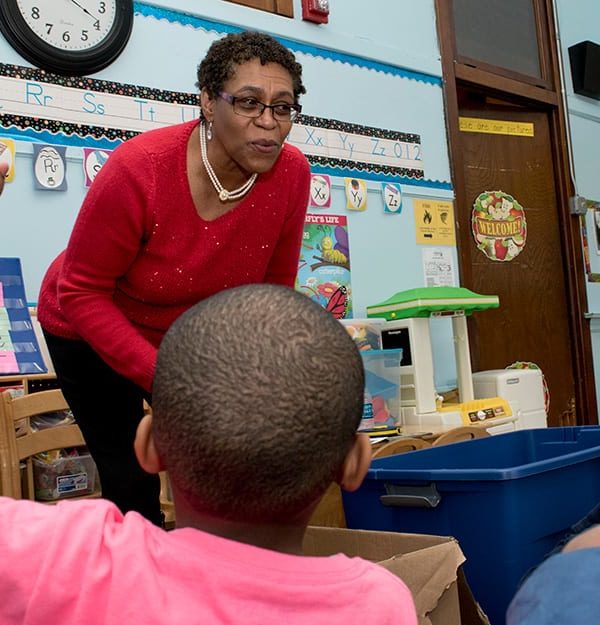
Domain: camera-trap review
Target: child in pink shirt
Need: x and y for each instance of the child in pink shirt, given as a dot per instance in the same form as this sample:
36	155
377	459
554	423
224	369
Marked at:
256	400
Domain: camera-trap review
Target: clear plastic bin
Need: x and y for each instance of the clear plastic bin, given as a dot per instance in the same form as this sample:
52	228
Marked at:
64	477
382	387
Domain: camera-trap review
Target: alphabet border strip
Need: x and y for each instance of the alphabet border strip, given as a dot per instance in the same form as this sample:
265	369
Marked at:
36	105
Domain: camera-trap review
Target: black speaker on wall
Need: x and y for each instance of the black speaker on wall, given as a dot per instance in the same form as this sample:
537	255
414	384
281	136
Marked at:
585	68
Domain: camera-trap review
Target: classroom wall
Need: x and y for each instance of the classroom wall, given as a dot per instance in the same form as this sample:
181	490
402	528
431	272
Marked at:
578	21
373	68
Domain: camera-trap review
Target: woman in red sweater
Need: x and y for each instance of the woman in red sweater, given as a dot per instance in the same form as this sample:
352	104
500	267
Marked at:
175	215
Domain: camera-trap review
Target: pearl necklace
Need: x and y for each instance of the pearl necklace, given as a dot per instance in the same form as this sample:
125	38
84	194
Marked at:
224	194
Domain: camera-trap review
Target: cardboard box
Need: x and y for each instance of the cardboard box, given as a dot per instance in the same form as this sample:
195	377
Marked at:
429	565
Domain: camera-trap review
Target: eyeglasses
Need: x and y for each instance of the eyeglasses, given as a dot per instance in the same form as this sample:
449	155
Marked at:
251	107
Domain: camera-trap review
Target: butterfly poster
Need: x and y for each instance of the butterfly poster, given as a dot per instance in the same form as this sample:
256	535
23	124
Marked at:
324	266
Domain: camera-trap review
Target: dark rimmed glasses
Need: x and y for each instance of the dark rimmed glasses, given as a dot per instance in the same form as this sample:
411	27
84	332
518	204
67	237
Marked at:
248	106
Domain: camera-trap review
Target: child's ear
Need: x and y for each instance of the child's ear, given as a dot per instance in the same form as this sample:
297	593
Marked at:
356	464
145	449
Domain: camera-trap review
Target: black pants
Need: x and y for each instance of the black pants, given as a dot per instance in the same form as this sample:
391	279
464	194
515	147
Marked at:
107	408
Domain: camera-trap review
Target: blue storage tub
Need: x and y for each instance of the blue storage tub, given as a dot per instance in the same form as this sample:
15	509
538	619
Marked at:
508	499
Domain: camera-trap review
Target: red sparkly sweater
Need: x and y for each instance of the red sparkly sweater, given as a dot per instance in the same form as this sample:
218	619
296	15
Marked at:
140	255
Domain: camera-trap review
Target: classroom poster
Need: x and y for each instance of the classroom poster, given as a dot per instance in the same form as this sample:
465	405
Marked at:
324	266
438	266
434	222
19	349
356	194
8	360
49	167
92	163
7	155
320	191
392	197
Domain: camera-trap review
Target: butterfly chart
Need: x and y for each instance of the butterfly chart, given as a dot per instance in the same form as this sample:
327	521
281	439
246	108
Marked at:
324	266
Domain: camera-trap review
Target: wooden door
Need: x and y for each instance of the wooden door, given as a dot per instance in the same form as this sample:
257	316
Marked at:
532	323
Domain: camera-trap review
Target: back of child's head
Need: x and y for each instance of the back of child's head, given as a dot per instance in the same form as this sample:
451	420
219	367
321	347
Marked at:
257	396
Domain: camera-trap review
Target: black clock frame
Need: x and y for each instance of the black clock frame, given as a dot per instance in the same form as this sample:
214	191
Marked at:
74	62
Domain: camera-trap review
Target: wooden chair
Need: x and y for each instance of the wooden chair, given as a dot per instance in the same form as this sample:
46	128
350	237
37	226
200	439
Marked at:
18	449
462	433
167	505
330	510
400	446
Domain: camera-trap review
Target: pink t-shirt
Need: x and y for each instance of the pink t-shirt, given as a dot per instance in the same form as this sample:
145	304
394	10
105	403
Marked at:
84	563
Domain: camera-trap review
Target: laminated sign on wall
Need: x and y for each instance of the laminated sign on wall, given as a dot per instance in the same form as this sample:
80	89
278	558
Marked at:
320	191
324	265
434	222
93	160
49	167
392	197
356	194
7	155
499	226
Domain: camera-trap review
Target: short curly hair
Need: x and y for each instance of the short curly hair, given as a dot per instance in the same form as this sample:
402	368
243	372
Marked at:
257	396
220	61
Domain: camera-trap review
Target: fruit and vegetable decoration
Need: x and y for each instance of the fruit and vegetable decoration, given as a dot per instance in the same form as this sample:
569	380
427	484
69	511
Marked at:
499	225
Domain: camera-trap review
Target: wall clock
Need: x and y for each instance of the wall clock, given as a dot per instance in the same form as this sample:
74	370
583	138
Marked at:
73	37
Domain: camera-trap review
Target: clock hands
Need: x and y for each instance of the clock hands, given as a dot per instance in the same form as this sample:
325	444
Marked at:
84	9
70	37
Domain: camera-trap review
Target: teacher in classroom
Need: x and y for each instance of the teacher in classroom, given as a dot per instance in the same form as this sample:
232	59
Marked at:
175	215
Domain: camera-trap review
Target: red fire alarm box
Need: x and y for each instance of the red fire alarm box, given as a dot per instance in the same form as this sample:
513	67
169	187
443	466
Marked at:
315	11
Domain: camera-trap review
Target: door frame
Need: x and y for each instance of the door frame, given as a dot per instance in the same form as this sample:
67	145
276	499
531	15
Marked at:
546	95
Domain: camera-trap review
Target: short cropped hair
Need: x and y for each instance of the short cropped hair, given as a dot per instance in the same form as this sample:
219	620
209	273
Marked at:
220	62
257	396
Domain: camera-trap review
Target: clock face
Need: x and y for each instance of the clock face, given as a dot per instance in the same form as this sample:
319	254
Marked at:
70	24
73	37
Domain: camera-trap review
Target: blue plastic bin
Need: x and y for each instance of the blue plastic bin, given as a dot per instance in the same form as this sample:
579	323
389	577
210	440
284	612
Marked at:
508	499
